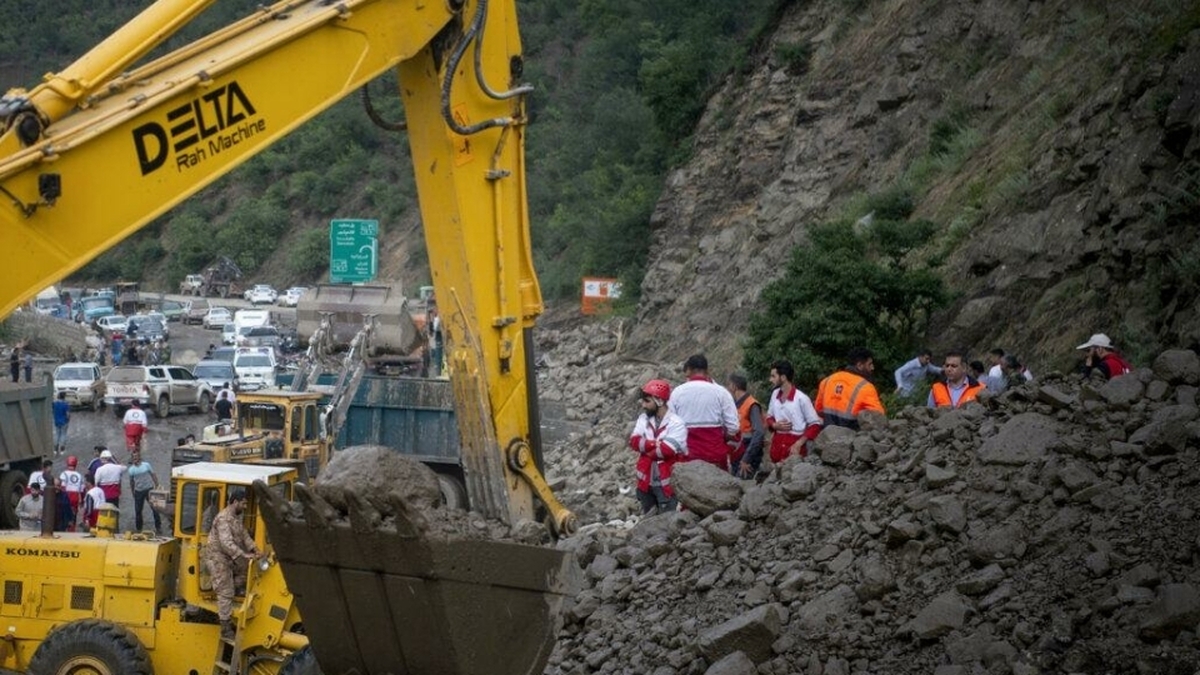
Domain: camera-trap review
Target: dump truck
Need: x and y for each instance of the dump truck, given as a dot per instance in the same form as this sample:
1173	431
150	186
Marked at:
413	416
26	436
155	131
220	279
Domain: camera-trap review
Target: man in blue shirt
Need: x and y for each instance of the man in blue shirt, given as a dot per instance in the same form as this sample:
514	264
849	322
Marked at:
62	416
912	373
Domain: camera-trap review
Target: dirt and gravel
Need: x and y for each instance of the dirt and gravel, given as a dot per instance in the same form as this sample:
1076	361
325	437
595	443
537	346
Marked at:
1051	529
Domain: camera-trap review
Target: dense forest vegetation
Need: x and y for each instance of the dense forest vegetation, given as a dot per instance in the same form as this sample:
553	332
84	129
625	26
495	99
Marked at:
619	87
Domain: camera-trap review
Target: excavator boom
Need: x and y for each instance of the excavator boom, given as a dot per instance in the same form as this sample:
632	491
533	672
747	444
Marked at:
105	146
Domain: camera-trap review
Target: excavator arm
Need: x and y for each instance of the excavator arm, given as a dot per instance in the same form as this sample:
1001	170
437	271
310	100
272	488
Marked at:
98	150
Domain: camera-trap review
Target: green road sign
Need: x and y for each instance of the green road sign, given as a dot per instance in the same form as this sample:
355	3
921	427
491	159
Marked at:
353	250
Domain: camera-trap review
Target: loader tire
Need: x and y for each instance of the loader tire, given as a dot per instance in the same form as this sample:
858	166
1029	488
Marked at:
300	662
93	647
12	488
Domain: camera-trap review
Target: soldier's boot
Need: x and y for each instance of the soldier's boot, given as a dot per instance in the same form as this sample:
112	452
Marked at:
227	630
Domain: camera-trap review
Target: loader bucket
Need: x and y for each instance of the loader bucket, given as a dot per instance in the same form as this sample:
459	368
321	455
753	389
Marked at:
395	331
392	599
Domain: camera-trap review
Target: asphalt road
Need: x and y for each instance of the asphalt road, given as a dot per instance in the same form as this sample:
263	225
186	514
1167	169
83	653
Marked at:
88	429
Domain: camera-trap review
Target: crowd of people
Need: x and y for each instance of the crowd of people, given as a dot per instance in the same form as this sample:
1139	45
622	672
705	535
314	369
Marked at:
701	420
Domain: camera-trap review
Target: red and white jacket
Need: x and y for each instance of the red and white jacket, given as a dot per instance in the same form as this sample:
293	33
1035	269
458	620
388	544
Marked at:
711	417
798	409
659	444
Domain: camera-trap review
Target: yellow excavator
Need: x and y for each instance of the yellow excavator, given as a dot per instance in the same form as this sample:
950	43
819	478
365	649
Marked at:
99	149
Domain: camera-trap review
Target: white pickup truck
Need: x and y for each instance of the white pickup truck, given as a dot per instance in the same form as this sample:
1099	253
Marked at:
163	387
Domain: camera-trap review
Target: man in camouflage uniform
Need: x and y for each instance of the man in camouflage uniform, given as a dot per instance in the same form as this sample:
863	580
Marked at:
228	553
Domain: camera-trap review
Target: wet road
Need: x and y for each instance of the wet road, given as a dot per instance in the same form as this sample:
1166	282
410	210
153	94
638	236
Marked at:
88	429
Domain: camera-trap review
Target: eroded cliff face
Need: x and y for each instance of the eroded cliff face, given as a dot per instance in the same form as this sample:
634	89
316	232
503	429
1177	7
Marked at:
1067	202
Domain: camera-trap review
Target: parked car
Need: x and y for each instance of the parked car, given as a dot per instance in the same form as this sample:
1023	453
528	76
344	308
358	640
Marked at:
195	314
255	367
291	297
82	383
258	336
160	387
216	318
221	354
112	326
216	374
175	310
147	328
262	295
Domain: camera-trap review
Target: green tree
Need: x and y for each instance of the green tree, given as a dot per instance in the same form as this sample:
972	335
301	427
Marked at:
310	257
846	288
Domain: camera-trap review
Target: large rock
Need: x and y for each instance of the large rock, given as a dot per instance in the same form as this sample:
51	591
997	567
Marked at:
1177	608
1021	440
800	480
947	612
1178	366
1002	542
704	488
374	472
948	512
736	663
835	445
1123	391
1167	431
751	633
827	611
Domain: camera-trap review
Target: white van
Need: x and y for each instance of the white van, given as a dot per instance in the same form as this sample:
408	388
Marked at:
250	317
255	368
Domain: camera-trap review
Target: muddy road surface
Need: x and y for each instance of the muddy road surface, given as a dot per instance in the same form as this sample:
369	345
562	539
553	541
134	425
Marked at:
88	429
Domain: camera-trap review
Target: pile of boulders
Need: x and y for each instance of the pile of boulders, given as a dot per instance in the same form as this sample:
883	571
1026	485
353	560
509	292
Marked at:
1054	528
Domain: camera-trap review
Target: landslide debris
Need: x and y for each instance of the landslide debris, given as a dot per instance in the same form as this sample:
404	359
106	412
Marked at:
1050	529
373	487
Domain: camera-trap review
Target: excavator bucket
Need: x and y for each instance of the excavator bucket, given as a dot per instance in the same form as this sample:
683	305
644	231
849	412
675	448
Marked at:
347	306
395	598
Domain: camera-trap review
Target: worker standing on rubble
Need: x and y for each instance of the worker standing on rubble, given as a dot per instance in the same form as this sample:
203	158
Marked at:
747	455
848	392
709	412
958	388
660	439
790	414
228	554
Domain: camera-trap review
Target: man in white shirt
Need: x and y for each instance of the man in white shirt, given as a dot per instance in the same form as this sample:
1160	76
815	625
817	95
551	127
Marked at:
71	482
136	424
790	415
108	478
709	412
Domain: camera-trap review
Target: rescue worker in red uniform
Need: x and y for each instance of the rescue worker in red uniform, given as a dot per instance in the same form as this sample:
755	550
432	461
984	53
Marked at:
1103	357
790	415
848	392
958	388
228	554
708	410
660	438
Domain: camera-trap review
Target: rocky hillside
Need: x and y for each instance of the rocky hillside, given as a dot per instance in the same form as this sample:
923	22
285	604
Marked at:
1050	530
1052	142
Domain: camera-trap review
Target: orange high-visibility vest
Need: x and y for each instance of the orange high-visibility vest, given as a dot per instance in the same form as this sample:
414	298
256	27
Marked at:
942	398
744	415
842	396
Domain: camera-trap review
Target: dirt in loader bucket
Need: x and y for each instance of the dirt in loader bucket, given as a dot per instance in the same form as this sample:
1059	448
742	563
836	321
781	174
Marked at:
390	582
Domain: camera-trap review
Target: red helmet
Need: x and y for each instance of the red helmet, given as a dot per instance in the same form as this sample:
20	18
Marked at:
660	389
72	461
